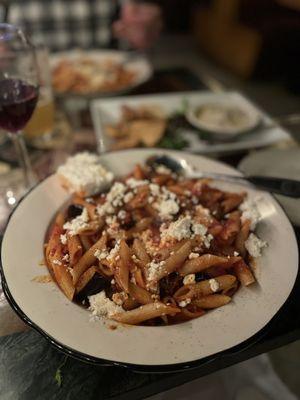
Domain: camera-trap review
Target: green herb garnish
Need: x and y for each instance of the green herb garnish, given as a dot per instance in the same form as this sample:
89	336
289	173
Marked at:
58	374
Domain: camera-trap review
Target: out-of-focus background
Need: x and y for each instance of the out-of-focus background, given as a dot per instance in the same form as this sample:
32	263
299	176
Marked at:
94	83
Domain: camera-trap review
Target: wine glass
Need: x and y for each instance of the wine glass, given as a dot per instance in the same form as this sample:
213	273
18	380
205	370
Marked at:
18	91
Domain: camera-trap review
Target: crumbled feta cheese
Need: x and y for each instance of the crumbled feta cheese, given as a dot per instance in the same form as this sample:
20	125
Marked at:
202	210
109	255
135	183
195	200
168	208
180	229
119	298
101	254
199	229
161	169
254	245
207	239
114	251
186	228
166	202
154	189
214	285
184	303
112	219
189	279
63	239
122	214
102	306
77	224
85	173
56	262
250	211
193	255
128	196
114	199
154	269
66	258
236	253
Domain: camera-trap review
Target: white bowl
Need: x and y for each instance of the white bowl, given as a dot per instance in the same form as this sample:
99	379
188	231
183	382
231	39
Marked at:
167	348
214	123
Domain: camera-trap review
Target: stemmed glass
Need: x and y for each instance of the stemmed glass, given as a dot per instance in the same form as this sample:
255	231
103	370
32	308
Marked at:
18	91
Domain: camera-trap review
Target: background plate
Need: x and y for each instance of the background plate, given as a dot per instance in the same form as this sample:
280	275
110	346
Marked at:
139	64
107	111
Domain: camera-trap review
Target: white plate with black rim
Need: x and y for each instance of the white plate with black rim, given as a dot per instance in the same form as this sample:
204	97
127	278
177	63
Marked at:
68	326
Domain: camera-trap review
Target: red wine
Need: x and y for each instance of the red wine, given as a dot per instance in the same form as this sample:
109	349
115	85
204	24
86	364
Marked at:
17	103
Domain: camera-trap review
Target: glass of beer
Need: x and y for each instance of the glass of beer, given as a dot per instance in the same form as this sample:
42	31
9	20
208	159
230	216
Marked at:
40	127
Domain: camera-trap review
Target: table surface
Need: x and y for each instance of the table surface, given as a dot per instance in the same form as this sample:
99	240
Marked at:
21	350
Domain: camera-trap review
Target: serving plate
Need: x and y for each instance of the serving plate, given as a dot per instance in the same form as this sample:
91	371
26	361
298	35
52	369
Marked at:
283	163
139	64
108	111
69	327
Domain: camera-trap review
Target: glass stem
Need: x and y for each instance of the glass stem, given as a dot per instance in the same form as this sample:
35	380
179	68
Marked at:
23	158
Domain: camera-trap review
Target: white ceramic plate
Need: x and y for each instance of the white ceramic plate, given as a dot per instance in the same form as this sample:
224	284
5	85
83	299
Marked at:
140	65
159	348
284	163
108	111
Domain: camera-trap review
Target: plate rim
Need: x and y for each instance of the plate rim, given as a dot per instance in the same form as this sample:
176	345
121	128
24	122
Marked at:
144	368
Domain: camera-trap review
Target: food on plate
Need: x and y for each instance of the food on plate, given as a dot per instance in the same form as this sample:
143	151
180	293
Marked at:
222	116
145	125
84	174
85	75
155	248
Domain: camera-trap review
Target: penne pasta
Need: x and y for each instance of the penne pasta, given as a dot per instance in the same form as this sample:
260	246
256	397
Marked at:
140	251
86	241
139	294
85	278
212	301
243	273
205	288
88	259
162	248
175	261
140	226
206	261
144	313
60	220
123	266
242	237
64	280
74	248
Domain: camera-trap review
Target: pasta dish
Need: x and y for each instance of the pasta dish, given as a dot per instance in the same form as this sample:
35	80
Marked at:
86	75
151	248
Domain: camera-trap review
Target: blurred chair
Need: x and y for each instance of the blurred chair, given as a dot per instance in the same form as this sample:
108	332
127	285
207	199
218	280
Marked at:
4	7
250	37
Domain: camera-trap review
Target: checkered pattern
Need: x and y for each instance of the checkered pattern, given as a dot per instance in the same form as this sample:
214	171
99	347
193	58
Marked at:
65	24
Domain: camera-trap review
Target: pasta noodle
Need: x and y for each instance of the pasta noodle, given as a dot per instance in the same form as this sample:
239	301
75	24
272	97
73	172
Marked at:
160	248
144	313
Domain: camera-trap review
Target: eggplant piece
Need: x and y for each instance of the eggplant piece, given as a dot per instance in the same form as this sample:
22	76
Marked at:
201	276
95	284
74	210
